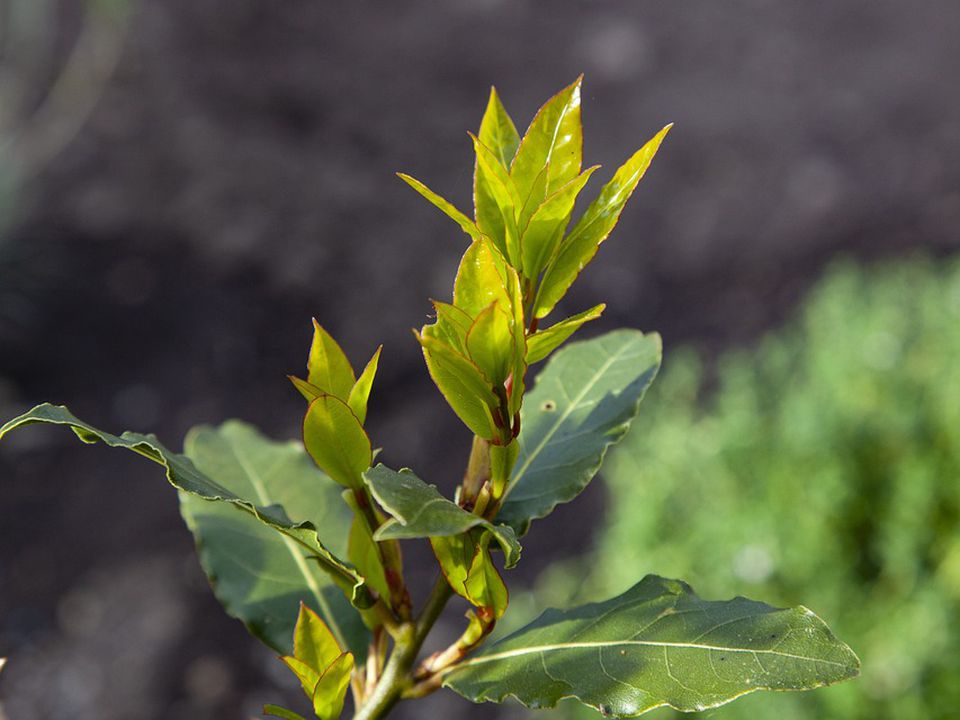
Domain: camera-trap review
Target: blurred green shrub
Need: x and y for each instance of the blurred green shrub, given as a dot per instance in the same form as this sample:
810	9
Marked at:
822	466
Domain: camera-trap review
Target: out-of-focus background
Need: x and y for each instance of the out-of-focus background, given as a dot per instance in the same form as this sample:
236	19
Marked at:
184	183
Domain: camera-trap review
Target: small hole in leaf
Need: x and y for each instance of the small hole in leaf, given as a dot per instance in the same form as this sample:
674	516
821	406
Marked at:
722	658
549	406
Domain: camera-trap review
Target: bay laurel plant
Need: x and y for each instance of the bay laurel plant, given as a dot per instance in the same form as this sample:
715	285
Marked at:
302	541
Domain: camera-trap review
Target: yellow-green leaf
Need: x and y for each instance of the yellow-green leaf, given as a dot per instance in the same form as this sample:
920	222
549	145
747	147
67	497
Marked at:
452	326
597	222
336	440
331	690
461	382
481	279
328	366
497	201
540	238
544	342
466	564
313	643
362	550
555	137
497	130
465	223
490	343
281	712
310	392
360	392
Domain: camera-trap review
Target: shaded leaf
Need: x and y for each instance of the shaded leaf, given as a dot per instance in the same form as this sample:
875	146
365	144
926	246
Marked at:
543	342
490	343
337	442
420	511
465	223
328	366
555	137
466	564
582	403
497	130
362	550
281	712
594	226
657	644
238	467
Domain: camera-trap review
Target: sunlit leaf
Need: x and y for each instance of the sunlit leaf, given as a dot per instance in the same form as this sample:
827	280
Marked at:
481	279
555	137
497	201
490	343
465	223
461	382
420	511
498	132
540	238
328	366
594	226
360	392
657	644
337	442
281	712
543	342
582	403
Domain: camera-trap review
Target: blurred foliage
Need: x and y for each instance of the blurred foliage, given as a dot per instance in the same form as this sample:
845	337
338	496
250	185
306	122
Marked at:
822	467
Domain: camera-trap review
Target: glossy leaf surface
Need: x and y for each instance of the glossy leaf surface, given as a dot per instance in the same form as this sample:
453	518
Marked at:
596	223
244	471
336	440
554	138
657	644
582	403
420	511
360	393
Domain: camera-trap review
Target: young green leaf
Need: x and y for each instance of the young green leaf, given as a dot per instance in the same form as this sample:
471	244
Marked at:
452	326
490	343
233	468
534	199
419	510
555	137
543	342
481	279
465	223
360	392
337	442
498	132
541	237
582	403
310	392
362	550
594	226
497	202
281	712
658	644
320	665
328	366
466	564
461	382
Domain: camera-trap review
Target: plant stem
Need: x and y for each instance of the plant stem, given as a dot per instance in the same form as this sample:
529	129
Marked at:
407	643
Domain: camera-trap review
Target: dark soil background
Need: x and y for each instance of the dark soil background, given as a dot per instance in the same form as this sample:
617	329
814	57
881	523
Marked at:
236	178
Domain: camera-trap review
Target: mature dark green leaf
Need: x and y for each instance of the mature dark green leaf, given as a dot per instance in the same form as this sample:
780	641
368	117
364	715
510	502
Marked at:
554	138
497	130
594	226
465	223
582	403
657	644
419	511
243	470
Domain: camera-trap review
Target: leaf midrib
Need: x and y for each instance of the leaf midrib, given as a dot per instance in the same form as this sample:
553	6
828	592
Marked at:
264	498
574	403
519	652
